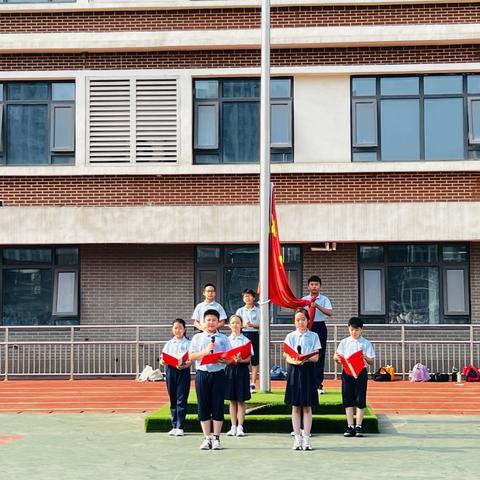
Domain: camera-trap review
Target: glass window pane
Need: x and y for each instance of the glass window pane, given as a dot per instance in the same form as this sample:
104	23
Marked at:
280	87
400	129
204	159
27	296
371	253
444	129
399	86
474	120
236	280
364	156
372	292
443	84
241	256
473	83
364	87
207	121
16	256
1	92
280	129
241	88
241	132
208	255
27	91
63	91
27	134
206	88
63	128
412	253
455	291
365	124
63	160
66	256
455	253
65	298
413	295
291	255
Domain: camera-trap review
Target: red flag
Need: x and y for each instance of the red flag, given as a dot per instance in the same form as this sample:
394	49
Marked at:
280	292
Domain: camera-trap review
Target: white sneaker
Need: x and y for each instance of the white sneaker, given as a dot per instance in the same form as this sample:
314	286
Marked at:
297	443
253	389
233	431
321	391
240	432
306	443
216	444
206	444
172	432
179	432
293	433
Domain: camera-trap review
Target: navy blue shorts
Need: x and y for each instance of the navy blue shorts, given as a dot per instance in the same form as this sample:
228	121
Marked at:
254	337
354	390
210	388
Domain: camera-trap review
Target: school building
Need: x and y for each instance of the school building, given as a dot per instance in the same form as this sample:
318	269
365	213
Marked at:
129	158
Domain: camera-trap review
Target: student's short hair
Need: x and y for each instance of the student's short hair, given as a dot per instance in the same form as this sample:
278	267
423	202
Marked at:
211	311
355	322
181	321
209	285
249	291
301	310
235	315
314	278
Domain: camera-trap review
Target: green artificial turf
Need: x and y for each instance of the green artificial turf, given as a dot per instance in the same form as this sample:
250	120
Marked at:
267	413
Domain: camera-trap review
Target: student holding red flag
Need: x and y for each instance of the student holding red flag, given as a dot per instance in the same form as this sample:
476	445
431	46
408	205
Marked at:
354	377
320	308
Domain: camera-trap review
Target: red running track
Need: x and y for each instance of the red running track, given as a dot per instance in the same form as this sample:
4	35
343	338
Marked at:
128	396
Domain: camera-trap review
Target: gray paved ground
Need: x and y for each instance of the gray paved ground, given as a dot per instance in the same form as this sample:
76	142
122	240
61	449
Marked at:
113	446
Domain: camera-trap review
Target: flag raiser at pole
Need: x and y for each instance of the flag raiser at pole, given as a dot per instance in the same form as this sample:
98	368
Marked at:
279	289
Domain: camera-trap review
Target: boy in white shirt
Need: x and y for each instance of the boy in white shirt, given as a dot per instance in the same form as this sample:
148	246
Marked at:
209	293
354	390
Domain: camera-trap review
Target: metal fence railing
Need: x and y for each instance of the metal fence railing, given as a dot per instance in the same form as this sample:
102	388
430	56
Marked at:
114	350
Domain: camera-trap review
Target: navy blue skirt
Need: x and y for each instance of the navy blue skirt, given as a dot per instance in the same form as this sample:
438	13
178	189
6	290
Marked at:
301	388
238	382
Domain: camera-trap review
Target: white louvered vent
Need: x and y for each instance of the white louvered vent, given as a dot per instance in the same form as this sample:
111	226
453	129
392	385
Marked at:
132	120
109	121
156	120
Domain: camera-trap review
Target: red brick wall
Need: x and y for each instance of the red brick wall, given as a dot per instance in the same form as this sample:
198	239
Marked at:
236	18
196	189
242	58
129	284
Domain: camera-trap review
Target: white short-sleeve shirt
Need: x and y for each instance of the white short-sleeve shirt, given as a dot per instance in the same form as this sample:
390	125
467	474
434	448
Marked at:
236	342
200	342
176	348
202	307
308	341
323	301
348	346
249	315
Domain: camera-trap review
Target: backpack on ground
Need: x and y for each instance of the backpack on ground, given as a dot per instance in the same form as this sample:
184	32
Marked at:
439	377
277	373
420	373
384	374
471	373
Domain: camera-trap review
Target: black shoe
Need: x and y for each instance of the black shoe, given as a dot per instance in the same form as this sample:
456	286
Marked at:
358	431
350	432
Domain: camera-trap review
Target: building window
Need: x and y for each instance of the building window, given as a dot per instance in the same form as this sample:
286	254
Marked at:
421	117
37	123
39	286
227	120
414	283
234	268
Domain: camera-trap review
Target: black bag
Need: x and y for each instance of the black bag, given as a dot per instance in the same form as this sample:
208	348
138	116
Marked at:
439	377
381	376
277	373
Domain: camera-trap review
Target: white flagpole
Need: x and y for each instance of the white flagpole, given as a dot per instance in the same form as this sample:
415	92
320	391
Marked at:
264	198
